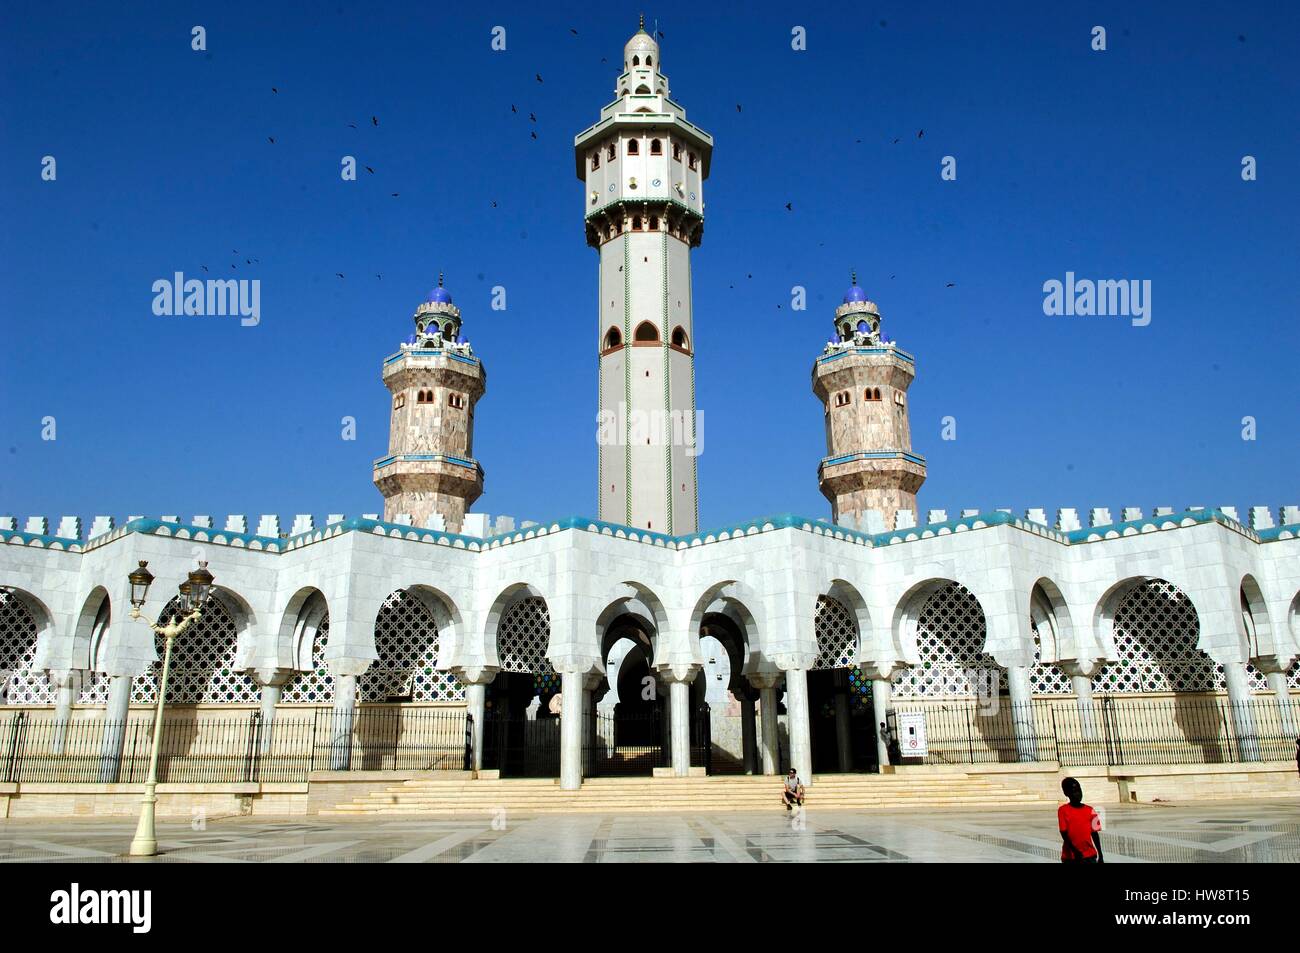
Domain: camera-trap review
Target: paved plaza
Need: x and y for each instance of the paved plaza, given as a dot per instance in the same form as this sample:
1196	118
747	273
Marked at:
1225	832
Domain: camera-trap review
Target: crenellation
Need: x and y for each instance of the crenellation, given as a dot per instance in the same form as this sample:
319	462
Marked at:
169	519
1131	514
1036	515
333	518
1100	516
1260	518
1162	511
936	516
69	527
1230	512
504	524
402	519
904	519
1067	520
476	525
872	521
8	523
237	523
436	521
268	525
966	514
101	525
1290	515
37	525
204	521
302	523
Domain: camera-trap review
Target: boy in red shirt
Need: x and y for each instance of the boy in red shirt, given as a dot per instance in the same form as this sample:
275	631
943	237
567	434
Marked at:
1079	824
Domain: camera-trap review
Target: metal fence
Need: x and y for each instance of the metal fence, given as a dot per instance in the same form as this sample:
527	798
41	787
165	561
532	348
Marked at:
211	751
1111	731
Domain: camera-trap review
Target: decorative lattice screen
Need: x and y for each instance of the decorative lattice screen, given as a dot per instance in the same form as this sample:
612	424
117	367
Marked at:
523	636
1155	644
406	638
1044	677
203	664
19	684
317	685
950	636
837	635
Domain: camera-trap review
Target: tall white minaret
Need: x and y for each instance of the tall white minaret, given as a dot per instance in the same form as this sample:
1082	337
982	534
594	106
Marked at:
644	167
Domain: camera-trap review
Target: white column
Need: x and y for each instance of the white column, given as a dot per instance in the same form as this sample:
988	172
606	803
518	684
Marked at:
796	706
679	695
67	684
476	708
881	695
1243	718
843	721
1022	712
571	711
271	693
748	739
1277	682
768	719
345	704
1087	714
115	714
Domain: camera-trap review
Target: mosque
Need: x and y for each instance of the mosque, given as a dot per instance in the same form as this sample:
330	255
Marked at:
781	641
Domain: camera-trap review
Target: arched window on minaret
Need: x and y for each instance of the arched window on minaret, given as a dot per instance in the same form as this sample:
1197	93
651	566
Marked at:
677	151
610	152
595	161
613	339
679	338
643	90
649	61
636	61
692	160
646	333
636	223
654	223
633	148
656	147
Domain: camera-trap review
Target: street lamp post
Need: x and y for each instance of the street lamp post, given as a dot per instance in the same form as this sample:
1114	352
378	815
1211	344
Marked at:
194	594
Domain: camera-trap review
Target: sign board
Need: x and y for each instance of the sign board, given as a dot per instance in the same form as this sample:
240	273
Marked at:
911	734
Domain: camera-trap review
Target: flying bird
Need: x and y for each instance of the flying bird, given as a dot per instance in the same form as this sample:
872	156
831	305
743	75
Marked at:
737	107
274	90
339	273
352	125
270	139
370	170
533	134
538	77
494	204
950	285
573	31
532	117
920	134
204	267
513	108
396	194
788	207
374	120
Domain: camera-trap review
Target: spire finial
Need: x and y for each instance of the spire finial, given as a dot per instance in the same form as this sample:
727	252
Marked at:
440	278
853	277
642	27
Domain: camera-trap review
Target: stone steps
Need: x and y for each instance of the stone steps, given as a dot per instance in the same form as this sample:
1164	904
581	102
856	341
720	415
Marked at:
436	797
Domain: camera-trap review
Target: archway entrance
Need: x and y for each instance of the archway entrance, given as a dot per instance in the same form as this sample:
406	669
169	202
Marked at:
629	730
521	731
841	718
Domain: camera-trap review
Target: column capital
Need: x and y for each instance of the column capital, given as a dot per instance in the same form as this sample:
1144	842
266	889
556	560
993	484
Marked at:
576	664
475	674
765	680
677	671
348	666
882	671
272	676
1273	664
1080	667
592	680
66	678
792	661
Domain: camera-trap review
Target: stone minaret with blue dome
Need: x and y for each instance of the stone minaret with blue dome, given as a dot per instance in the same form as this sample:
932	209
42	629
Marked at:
643	166
862	380
429	474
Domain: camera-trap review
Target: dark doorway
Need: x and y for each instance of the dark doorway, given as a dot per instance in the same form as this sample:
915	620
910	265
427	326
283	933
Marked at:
823	686
514	744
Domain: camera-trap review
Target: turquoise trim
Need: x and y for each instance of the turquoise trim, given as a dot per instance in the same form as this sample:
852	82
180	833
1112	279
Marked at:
431	352
428	457
155	527
897	351
873	455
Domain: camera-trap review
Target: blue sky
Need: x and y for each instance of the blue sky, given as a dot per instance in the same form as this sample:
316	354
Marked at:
1117	164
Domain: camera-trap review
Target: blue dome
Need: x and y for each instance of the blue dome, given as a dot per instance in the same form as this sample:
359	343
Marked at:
854	295
440	295
410	339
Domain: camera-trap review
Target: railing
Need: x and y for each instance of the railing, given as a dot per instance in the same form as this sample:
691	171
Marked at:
1110	731
217	751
